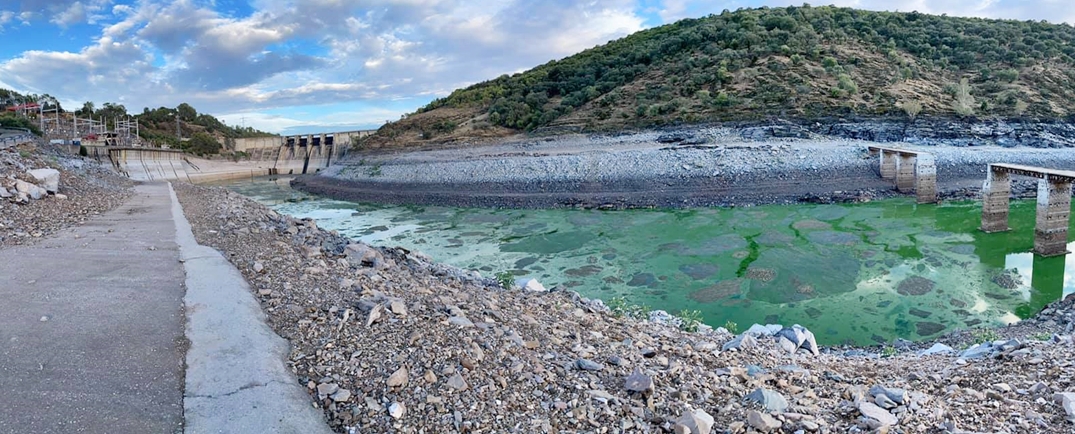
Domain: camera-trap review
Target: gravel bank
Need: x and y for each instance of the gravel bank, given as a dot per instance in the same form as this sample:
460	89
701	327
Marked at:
386	341
86	188
637	170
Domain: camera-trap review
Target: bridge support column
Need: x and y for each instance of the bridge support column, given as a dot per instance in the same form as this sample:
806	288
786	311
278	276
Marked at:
925	179
888	164
1054	209
995	194
905	171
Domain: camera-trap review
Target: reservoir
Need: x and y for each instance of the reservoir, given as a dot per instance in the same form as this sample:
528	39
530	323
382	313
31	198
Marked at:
864	273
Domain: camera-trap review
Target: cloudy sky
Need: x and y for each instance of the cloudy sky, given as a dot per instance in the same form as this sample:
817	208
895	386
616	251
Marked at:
330	65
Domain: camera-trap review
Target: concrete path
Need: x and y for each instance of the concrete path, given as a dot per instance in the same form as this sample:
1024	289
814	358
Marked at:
94	334
91	326
237	380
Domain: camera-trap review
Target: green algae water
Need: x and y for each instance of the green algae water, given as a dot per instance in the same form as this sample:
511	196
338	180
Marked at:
852	273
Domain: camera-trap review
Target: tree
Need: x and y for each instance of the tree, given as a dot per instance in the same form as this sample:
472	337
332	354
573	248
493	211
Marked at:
186	112
912	108
202	144
87	109
964	102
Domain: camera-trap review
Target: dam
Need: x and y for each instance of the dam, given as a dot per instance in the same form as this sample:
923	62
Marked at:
277	155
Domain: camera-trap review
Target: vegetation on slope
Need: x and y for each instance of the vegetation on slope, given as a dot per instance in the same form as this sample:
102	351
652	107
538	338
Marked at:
181	127
800	62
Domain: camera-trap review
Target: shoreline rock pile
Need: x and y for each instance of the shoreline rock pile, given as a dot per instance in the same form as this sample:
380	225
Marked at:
388	341
44	190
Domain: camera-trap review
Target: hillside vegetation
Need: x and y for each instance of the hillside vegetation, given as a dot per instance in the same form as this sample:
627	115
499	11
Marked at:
181	127
754	64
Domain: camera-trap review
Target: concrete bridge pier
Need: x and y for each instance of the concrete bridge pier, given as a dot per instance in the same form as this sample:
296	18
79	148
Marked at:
925	180
1054	209
888	164
995	192
905	172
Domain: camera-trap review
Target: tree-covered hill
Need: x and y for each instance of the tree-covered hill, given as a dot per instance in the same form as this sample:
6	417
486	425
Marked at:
754	64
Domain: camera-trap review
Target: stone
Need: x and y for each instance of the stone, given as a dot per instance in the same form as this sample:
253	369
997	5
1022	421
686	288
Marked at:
398	378
884	402
770	400
4	194
49	179
801	337
530	284
326	389
1067	402
937	349
457	382
764	330
742	342
430	377
762	421
258	268
397	410
639	383
697	422
898	396
977	351
362	255
879	414
460	321
32	191
398	308
588	365
341	395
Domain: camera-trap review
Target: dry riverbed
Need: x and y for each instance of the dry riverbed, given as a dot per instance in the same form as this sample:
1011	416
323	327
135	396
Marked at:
713	168
387	341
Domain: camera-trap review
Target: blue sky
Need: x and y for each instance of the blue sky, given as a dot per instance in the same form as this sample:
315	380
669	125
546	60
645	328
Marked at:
330	65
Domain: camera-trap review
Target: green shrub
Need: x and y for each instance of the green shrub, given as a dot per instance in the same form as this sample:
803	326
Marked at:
689	320
505	279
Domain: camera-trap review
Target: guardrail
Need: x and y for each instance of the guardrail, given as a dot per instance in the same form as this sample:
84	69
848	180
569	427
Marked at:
16	140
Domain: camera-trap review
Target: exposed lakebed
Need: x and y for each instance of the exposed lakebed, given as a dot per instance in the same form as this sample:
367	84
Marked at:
861	273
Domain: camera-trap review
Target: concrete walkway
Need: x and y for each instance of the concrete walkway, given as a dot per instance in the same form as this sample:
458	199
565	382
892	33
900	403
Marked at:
91	325
93	334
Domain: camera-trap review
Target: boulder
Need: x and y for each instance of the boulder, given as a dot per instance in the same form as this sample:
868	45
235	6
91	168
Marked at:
4	194
33	191
529	284
937	349
742	342
879	414
800	337
762	422
361	254
1067	402
764	330
49	179
770	400
697	422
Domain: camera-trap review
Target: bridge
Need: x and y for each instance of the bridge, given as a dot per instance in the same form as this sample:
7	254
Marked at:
1054	204
912	170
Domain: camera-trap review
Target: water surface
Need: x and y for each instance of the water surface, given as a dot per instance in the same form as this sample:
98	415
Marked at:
862	273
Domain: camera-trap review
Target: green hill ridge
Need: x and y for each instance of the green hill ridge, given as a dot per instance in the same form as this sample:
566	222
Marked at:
755	64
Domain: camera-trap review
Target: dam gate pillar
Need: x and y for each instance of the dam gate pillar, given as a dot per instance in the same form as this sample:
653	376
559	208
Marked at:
888	164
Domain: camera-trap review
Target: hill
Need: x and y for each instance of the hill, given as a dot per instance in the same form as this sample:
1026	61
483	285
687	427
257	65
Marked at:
181	127
755	64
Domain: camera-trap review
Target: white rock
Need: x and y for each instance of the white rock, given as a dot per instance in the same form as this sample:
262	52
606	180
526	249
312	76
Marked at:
879	414
33	191
937	348
49	179
4	194
1067	401
529	284
397	410
698	421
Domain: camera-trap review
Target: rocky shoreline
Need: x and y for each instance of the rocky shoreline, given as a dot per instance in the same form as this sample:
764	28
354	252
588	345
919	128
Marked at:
387	341
699	167
67	190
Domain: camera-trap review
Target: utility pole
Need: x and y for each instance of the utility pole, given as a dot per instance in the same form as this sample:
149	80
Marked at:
178	134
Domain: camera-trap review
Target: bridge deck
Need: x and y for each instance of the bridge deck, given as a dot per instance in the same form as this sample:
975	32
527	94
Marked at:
1036	172
896	150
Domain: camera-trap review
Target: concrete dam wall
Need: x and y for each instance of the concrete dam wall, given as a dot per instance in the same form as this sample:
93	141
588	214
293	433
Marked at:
297	154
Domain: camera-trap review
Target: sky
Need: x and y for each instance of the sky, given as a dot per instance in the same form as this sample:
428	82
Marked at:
298	66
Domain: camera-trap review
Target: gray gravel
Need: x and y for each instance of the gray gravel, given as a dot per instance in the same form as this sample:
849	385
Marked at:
636	170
